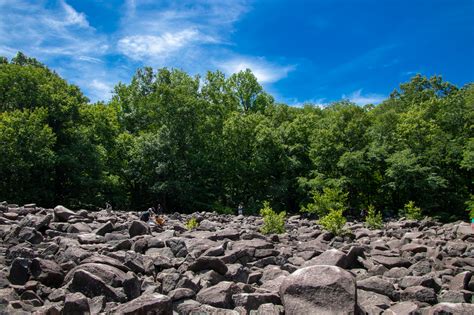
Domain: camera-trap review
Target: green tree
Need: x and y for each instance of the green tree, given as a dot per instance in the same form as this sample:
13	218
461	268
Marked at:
27	157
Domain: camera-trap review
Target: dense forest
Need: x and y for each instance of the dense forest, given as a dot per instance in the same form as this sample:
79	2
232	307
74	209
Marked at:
211	143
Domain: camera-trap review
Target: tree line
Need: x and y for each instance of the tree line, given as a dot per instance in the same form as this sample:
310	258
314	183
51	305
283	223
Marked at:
197	143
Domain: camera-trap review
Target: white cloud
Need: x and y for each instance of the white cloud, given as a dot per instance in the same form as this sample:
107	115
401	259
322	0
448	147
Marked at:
265	71
358	98
159	46
319	102
178	33
73	17
195	36
46	32
100	89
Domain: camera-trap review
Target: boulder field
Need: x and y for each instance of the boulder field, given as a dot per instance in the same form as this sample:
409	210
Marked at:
58	261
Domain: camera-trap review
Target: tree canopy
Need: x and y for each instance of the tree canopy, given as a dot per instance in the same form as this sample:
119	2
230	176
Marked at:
212	143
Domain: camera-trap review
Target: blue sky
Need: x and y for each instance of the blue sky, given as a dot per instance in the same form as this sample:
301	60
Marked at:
301	51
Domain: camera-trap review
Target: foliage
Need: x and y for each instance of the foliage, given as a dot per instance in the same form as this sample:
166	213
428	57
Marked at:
412	212
219	208
272	222
192	223
373	220
470	206
27	156
193	143
333	221
329	199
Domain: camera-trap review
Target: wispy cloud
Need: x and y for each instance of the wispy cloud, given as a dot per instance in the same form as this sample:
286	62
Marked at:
265	71
193	36
47	32
363	99
73	17
318	102
140	47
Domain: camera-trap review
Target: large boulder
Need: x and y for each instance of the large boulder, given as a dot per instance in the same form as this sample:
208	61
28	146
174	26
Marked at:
109	274
62	214
138	228
47	272
19	271
92	286
319	290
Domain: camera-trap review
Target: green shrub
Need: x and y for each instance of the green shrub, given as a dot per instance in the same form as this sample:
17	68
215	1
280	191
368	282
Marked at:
272	222
222	209
373	220
330	198
192	224
470	207
333	221
412	212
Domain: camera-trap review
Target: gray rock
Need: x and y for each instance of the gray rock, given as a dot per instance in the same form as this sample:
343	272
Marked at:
331	257
378	285
19	271
110	275
79	227
62	214
47	272
138	228
391	262
219	295
403	308
419	293
92	286
426	281
461	281
152	303
177	246
76	303
269	309
452	308
209	263
371	302
252	301
319	290
105	228
455	296
181	293
131	286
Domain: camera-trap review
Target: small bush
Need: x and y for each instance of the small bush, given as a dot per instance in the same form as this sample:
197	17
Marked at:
412	212
323	202
334	221
222	209
272	222
192	224
470	207
373	220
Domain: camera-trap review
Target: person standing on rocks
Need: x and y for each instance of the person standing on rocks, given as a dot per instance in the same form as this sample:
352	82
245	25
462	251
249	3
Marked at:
240	209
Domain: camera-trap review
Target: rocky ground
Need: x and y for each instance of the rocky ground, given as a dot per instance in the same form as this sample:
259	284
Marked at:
57	261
